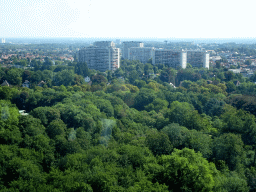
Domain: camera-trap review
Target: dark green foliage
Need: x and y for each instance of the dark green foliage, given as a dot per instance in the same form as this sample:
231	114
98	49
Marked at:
185	115
214	107
46	114
158	143
187	74
177	135
250	174
9	131
157	105
47	64
245	102
200	142
144	97
115	136
65	77
230	87
229	147
145	185
231	182
229	75
56	127
13	76
132	155
82	69
133	75
185	170
83	138
98	79
168	75
181	137
31	126
139	83
105	106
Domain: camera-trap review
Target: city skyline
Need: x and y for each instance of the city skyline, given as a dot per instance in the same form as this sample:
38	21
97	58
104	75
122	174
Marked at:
126	19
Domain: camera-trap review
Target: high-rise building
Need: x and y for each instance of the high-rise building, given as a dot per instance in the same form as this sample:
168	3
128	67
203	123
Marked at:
118	41
143	54
102	56
3	40
129	44
104	44
198	58
171	58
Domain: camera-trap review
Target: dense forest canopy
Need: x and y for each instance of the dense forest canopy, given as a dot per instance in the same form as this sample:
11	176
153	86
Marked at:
126	130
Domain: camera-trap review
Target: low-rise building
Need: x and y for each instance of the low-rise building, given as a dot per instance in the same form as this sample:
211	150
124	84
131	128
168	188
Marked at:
5	83
41	84
26	84
87	79
235	70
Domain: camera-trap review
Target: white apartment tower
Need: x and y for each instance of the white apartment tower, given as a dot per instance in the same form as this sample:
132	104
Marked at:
102	56
171	58
3	40
104	44
143	54
198	58
129	44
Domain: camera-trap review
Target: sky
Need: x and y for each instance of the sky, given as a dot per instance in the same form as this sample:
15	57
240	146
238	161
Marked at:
127	18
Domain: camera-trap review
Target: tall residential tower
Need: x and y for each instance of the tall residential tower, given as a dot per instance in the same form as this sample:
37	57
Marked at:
171	58
129	44
198	58
143	54
102	56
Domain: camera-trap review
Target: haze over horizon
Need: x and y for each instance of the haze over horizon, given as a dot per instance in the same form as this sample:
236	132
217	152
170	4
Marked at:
126	19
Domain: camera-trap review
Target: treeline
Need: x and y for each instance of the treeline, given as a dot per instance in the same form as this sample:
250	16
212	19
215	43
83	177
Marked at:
128	131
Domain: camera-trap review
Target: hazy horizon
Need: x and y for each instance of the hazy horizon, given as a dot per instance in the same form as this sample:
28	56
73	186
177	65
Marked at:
126	19
91	40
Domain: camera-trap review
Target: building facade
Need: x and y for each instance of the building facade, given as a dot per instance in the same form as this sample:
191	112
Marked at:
171	58
143	54
198	59
102	56
129	44
104	44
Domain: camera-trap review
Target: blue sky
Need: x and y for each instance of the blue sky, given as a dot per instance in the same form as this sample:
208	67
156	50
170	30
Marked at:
127	19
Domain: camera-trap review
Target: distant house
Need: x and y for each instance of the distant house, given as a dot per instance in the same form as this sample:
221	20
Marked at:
5	83
237	83
41	84
172	85
18	66
247	72
87	79
152	75
235	70
215	58
122	78
22	112
26	84
209	82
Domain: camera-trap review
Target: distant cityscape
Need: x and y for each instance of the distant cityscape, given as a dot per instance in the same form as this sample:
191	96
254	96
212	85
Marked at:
70	40
103	55
106	55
